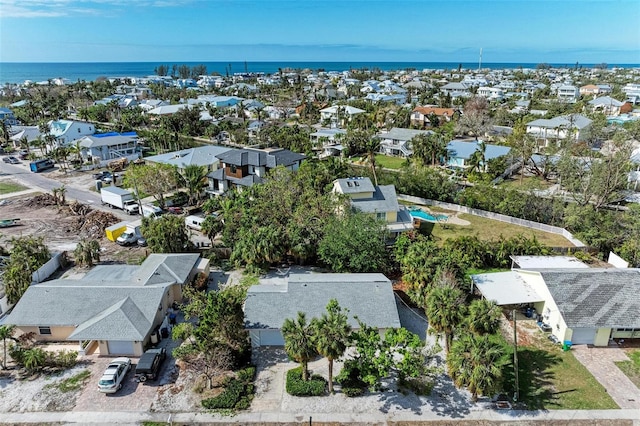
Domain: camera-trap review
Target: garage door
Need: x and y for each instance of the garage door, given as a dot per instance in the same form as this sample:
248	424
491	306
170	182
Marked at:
583	336
120	347
271	338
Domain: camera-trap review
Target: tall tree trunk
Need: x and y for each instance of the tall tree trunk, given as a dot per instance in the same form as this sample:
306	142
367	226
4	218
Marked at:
305	371
330	375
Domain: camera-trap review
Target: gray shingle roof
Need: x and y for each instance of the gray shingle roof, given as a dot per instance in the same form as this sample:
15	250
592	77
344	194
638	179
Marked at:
355	185
200	156
401	134
384	200
271	159
368	296
596	297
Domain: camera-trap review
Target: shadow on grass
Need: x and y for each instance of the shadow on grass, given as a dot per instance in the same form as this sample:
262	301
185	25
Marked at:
535	378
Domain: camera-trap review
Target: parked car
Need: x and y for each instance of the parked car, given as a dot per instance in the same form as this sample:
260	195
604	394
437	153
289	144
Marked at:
544	326
107	177
175	210
5	159
11	160
99	175
142	242
23	155
111	380
149	364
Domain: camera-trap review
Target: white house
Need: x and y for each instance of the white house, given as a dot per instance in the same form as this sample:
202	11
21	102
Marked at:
339	115
554	130
568	93
67	131
397	141
110	146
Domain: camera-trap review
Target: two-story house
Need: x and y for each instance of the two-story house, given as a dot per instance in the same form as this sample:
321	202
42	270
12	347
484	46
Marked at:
102	148
380	201
420	115
557	129
245	167
67	131
6	115
339	115
568	93
397	141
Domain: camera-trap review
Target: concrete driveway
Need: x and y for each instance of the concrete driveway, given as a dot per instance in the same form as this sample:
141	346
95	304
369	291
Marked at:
133	396
601	363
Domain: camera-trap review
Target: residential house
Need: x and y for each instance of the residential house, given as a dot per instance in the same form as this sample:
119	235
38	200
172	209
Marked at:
339	115
369	297
380	201
568	93
460	152
607	105
595	90
557	129
6	116
246	167
105	147
67	131
420	115
28	133
397	141
116	308
456	90
206	156
328	140
491	93
582	305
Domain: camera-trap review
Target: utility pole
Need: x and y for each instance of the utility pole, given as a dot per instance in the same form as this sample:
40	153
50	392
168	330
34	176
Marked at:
516	396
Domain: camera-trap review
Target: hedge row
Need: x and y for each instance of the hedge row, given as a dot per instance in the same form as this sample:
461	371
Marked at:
295	386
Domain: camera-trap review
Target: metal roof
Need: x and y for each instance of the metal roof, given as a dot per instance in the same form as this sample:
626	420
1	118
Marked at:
505	288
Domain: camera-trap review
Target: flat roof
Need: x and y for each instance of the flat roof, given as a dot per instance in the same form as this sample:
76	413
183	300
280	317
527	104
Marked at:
548	262
505	288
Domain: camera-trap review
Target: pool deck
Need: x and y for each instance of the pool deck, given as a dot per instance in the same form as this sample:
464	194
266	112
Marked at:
452	219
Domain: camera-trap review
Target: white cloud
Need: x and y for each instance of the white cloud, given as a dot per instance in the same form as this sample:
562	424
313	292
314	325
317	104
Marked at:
60	8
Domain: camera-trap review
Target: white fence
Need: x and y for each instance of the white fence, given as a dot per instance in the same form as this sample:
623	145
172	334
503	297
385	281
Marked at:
46	270
495	216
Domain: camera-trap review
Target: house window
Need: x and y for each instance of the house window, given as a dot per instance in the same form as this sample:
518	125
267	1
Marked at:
233	168
381	216
78	130
44	331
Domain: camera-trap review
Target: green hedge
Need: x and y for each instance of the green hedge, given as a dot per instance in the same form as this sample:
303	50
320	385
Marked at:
315	386
237	394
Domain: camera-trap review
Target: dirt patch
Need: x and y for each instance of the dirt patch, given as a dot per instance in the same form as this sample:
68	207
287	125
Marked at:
62	227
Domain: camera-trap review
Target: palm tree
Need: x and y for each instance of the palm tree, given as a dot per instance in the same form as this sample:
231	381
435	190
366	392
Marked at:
371	148
195	178
484	317
86	252
331	335
475	362
298	342
6	332
34	359
445	309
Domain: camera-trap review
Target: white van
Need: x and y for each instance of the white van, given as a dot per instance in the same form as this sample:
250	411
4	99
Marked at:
149	210
194	222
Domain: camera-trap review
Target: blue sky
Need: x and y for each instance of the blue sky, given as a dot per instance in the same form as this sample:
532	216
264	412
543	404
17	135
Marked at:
568	31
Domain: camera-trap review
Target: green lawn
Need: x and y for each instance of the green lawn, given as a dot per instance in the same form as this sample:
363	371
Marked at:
388	162
9	187
487	229
551	379
631	368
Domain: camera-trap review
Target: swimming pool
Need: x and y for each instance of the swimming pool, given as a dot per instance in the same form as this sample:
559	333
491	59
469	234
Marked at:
422	215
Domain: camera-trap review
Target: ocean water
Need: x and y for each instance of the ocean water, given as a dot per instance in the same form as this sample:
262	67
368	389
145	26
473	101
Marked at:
13	72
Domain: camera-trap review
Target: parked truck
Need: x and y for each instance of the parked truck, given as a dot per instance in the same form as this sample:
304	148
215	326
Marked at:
119	198
131	235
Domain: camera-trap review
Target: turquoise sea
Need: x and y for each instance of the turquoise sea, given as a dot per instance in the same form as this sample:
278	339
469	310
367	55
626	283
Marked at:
12	72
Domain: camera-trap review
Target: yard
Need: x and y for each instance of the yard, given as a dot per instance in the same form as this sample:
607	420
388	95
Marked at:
388	162
551	379
528	182
487	229
8	186
631	368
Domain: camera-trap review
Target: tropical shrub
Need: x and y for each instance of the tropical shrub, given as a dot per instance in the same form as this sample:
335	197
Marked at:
238	392
296	386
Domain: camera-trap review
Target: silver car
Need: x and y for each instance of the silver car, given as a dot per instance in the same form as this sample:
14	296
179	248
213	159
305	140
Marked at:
111	380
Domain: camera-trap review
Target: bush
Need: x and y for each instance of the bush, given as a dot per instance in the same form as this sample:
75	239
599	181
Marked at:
315	386
349	379
238	392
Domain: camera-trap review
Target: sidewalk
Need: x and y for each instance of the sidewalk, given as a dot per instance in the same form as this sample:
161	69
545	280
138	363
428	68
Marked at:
614	417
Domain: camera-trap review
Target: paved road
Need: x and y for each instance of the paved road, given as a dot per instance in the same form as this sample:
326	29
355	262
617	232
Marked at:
40	180
488	417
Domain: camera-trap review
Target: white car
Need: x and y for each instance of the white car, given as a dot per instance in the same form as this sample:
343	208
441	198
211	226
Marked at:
111	380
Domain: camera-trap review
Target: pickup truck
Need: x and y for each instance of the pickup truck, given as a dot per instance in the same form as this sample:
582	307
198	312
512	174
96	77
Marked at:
149	364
